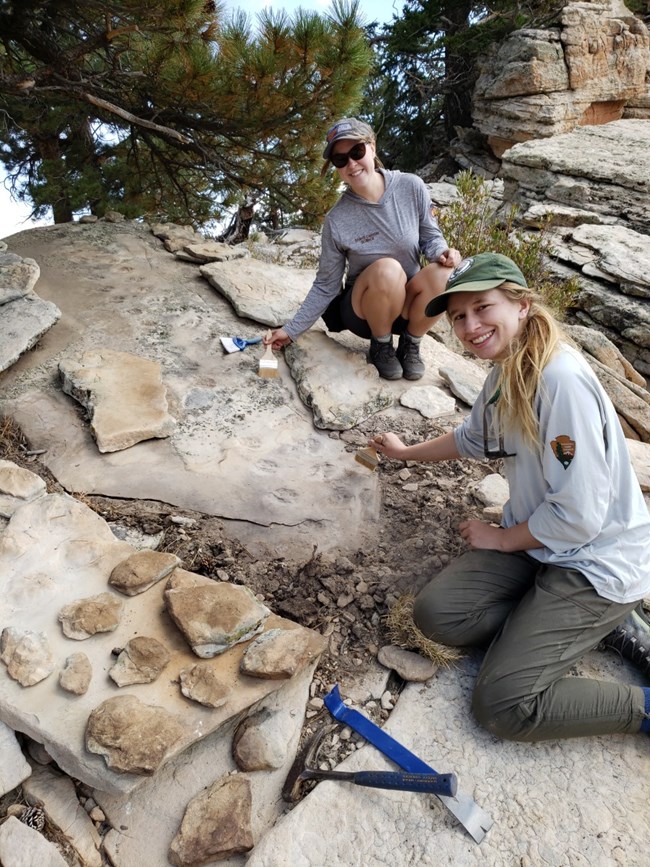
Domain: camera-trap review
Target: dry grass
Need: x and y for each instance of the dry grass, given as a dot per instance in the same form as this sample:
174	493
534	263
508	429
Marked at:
12	440
402	631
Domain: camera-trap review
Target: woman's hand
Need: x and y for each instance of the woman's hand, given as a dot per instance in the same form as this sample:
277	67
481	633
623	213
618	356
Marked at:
278	339
478	534
450	258
388	444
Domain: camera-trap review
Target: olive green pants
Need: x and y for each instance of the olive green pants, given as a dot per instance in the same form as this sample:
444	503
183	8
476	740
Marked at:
537	621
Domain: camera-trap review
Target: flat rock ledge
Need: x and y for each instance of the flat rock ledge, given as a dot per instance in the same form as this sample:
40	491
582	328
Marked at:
267	293
123	394
336	383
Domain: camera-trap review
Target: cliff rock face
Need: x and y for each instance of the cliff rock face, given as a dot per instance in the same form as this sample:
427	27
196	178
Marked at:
539	83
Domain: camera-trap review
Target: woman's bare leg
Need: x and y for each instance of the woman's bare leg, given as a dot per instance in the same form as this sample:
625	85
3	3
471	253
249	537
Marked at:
420	289
379	295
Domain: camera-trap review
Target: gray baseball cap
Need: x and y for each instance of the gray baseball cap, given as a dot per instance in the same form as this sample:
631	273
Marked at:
347	127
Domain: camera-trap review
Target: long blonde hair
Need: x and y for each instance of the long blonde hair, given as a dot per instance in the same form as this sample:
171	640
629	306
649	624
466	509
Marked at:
521	371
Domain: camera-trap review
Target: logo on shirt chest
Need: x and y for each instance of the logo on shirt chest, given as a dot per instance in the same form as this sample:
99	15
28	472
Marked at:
564	449
366	239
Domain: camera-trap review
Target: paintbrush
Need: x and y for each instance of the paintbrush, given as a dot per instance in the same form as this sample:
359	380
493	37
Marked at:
268	362
368	458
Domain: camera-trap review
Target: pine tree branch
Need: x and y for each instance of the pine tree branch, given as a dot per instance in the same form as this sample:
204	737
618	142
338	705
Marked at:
137	121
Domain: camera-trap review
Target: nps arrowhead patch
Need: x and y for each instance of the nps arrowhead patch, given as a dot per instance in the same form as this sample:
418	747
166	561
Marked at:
564	449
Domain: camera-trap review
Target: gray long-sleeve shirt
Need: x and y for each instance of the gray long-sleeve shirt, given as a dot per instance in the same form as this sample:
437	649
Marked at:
357	232
580	495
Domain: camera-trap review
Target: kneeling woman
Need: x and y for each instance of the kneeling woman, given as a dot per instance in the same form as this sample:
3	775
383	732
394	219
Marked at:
571	560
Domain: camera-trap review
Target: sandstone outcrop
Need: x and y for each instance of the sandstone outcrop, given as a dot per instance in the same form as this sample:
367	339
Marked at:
540	83
604	172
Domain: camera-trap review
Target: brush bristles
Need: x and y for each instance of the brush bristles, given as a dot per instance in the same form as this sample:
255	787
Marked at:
368	458
268	372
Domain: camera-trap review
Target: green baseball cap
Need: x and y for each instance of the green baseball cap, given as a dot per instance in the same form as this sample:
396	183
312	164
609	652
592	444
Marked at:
477	274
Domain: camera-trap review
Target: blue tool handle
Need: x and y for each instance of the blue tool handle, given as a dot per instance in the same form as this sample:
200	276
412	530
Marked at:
377	737
438	784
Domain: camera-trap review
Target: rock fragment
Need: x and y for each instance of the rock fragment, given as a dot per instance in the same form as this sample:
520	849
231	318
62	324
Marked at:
26	654
278	653
76	674
86	617
141	661
133	737
17	486
142	570
203	684
410	666
216	824
260	741
123	394
213	615
21	845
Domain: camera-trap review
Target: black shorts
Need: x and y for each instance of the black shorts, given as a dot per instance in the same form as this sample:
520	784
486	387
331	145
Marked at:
349	321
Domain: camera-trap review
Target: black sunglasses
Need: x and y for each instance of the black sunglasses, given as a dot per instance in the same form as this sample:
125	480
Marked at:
357	152
492	454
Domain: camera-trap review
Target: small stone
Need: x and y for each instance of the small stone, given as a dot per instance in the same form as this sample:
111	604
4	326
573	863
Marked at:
181	520
76	674
141	661
86	617
202	683
132	736
142	570
97	815
26	654
216	824
410	666
404	474
279	653
344	599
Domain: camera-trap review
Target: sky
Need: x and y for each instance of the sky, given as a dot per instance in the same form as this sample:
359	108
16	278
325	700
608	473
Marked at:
14	217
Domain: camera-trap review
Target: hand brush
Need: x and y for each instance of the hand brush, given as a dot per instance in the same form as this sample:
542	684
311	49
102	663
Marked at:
368	458
268	363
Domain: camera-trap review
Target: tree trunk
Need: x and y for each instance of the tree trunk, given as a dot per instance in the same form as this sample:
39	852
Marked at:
459	78
50	154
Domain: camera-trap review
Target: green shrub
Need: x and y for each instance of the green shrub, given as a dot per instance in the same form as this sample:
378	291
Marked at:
471	225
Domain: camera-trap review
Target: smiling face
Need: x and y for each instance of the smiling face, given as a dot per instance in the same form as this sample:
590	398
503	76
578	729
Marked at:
487	322
358	174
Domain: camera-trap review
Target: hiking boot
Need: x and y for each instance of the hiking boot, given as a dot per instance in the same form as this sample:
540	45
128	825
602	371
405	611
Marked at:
408	354
382	355
631	639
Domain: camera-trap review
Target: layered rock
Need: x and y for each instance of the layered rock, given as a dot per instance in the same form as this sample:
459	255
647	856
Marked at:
24	316
594	185
540	83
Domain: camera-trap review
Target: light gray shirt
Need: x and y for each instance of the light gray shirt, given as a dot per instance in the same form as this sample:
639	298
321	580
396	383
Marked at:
356	233
580	495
